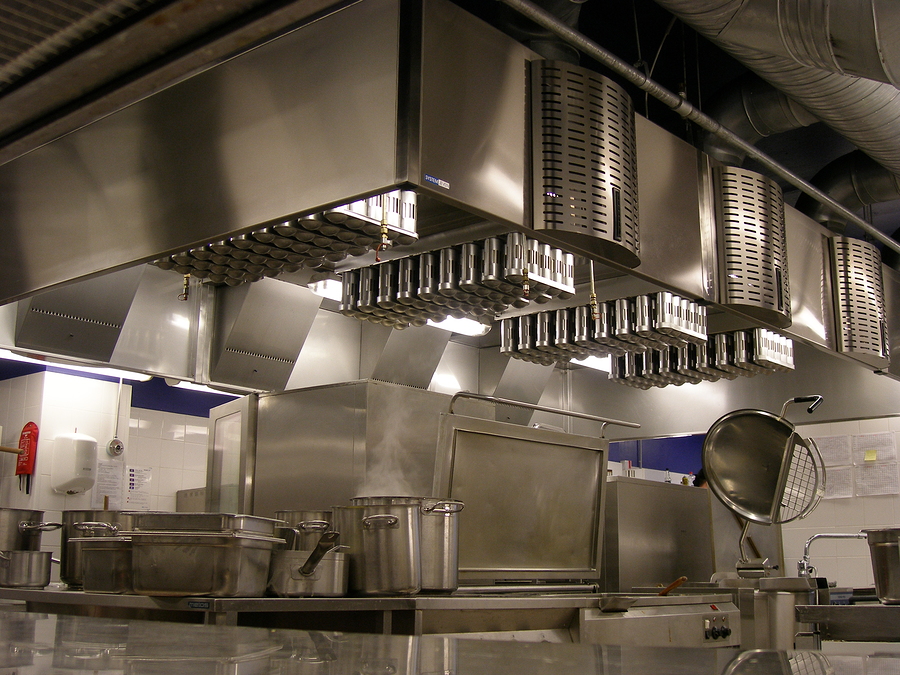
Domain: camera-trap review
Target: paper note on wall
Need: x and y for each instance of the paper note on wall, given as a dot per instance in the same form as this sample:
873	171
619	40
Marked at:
839	483
879	478
874	447
835	449
107	492
138	481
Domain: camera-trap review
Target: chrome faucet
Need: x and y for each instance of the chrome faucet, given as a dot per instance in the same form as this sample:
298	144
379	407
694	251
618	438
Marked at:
804	569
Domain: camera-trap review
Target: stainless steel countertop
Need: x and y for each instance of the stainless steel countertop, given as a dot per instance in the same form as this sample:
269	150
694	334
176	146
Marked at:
42	644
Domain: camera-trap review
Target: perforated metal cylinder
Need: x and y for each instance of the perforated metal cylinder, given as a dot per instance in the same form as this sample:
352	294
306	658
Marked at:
752	245
860	312
585	160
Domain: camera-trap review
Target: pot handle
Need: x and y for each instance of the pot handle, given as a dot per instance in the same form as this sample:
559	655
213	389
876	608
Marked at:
447	507
327	542
814	399
92	527
5	558
313	525
381	521
31	526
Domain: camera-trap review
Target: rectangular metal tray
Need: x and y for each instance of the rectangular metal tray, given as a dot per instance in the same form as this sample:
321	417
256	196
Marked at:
218	564
105	564
166	521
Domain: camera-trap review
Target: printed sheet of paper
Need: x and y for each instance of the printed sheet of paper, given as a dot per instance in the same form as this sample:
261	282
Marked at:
835	449
108	485
839	483
880	478
138	481
874	448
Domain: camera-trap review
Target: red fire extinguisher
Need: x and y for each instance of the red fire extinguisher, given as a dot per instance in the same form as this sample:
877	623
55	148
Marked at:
28	441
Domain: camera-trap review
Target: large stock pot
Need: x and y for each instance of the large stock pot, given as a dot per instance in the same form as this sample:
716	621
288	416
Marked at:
20	529
81	525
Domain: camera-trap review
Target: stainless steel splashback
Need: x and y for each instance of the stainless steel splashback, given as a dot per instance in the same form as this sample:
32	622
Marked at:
320	446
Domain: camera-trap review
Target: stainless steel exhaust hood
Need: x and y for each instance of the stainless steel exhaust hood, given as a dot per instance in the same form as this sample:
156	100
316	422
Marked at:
364	100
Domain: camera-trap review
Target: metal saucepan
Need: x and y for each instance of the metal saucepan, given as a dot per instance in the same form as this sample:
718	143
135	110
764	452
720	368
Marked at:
305	528
20	529
322	572
25	569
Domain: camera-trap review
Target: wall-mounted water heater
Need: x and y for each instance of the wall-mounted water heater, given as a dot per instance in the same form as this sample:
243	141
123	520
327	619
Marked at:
74	463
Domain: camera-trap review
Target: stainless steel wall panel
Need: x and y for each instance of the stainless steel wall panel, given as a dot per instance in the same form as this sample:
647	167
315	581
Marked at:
850	392
321	446
160	334
892	303
812	309
411	356
310	448
330	353
260	329
655	533
534	499
83	320
276	131
670	211
473	116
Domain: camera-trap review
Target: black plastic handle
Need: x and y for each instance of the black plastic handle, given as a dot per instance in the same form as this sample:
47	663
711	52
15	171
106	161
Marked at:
815	399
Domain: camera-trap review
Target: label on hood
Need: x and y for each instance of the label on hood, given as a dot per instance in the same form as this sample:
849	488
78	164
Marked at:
437	181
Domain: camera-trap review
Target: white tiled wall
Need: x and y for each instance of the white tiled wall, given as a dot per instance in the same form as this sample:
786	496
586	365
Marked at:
845	561
173	446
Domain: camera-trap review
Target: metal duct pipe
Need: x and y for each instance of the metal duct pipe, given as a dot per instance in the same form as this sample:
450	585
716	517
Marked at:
851	37
544	42
689	111
753	109
854	180
864	111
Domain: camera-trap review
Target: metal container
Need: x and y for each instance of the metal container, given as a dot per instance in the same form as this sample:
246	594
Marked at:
439	544
220	564
166	521
83	524
884	549
327	580
304	528
20	529
390	544
24	569
105	563
348	521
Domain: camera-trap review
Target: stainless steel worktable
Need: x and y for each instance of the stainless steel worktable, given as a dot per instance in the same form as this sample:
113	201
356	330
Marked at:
866	622
546	616
42	644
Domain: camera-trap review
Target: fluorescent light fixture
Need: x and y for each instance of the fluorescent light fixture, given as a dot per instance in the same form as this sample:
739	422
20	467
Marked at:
595	362
327	288
95	370
181	384
469	327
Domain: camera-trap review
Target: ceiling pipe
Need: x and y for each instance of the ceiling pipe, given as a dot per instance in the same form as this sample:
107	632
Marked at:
753	109
864	111
850	37
854	180
688	111
544	42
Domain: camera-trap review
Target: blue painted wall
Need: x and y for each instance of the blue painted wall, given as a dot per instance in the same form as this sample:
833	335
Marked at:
681	453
